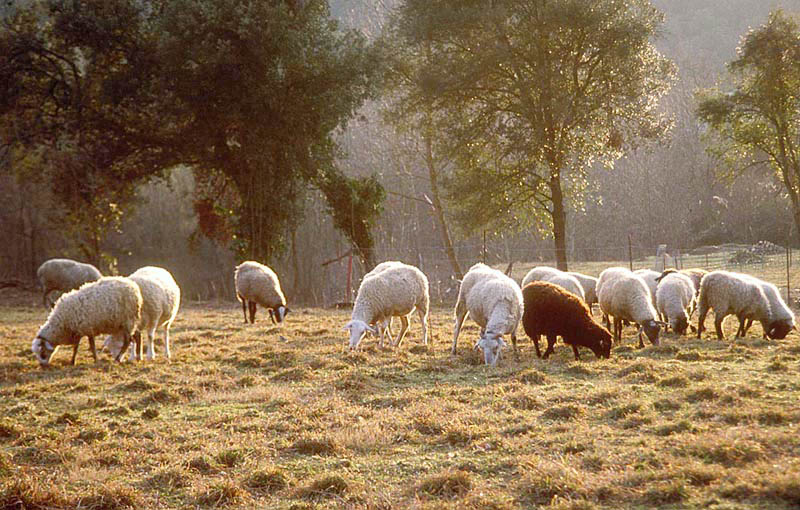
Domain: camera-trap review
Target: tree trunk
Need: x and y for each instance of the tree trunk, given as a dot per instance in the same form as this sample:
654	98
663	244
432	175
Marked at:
438	210
559	217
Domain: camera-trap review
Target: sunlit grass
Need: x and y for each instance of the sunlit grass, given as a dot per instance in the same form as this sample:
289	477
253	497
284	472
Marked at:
258	416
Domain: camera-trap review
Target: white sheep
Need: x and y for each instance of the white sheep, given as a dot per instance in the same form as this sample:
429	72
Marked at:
111	305
781	319
539	273
730	293
605	278
494	301
64	275
396	290
651	278
161	298
568	283
626	297
589	284
675	300
258	284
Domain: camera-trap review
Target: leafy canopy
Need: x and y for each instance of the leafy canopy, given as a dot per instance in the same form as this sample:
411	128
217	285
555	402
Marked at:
530	93
757	121
247	93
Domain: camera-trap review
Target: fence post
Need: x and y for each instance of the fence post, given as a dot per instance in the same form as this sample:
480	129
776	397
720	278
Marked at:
788	279
484	248
630	252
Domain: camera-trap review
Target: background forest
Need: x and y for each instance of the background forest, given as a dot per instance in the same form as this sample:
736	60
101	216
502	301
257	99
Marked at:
671	191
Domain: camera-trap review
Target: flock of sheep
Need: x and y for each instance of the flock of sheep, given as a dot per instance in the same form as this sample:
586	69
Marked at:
549	302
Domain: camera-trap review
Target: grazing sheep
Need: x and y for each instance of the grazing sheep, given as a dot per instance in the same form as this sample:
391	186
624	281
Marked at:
731	293
589	284
64	275
540	273
650	277
568	283
605	278
258	284
161	298
573	282
494	301
551	311
675	300
695	273
111	305
397	290
627	297
781	319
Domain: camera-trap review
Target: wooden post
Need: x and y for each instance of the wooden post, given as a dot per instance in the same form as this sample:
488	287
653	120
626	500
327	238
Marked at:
349	277
630	252
788	279
483	256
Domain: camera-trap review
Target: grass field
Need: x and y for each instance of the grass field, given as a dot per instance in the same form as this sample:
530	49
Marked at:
257	416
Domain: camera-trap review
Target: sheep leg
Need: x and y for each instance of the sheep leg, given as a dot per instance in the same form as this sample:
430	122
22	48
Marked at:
718	327
514	344
75	351
641	341
741	329
617	330
575	350
167	352
93	348
125	344
252	306
403	330
151	348
461	314
244	308
701	320
536	339
551	341
423	318
607	321
747	327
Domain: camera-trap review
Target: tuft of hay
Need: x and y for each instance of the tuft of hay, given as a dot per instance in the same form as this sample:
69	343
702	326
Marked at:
221	494
201	465
447	484
323	488
309	446
568	412
230	458
266	482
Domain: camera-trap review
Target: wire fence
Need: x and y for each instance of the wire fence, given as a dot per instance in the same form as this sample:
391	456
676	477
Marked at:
771	262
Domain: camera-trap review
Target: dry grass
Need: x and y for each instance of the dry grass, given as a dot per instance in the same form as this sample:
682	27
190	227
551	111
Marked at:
258	416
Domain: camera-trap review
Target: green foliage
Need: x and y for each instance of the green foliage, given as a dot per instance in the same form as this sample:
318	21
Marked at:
246	93
757	122
528	94
355	205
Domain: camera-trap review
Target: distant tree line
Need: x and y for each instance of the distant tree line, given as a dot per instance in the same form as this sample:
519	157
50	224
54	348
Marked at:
554	130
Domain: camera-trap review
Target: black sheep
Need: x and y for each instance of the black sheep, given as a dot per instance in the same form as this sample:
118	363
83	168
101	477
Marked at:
552	311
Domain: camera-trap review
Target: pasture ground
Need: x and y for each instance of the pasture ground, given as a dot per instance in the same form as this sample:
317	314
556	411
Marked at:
258	416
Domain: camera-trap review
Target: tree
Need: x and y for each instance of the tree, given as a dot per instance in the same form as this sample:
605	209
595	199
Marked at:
757	123
247	93
73	83
531	93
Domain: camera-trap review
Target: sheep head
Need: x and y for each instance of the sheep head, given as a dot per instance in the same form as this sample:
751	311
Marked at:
491	344
358	329
43	350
